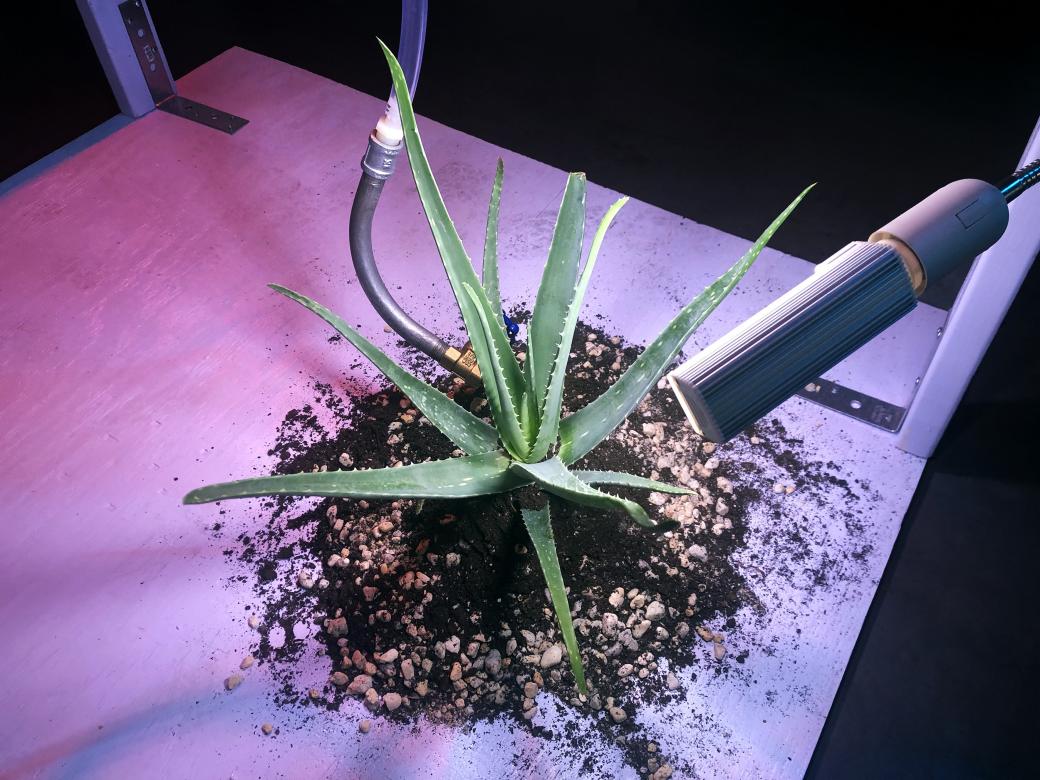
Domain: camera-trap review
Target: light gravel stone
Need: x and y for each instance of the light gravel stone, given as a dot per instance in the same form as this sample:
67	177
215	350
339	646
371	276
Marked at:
618	714
365	726
359	685
698	552
233	682
551	657
655	610
628	640
392	701
493	662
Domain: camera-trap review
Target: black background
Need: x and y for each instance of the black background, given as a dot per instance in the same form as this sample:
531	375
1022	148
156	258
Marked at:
722	114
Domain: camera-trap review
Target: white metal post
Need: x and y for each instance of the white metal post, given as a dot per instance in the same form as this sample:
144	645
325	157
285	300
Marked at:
981	304
108	32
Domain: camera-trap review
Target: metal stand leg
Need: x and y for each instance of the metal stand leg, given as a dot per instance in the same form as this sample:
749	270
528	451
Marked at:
133	60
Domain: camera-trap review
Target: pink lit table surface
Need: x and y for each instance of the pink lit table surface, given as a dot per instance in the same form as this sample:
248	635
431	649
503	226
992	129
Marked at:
143	355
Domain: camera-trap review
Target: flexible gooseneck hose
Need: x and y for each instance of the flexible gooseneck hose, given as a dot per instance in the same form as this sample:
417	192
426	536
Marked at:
384	145
365	201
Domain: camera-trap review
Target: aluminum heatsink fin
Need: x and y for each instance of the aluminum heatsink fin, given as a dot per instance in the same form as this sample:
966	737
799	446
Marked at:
852	296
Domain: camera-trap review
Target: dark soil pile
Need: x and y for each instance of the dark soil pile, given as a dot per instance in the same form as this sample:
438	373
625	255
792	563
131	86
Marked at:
439	608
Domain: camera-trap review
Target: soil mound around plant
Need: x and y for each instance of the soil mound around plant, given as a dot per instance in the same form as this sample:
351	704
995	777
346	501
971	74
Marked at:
439	610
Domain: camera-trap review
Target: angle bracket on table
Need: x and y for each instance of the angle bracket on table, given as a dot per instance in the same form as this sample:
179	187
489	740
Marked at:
861	406
156	76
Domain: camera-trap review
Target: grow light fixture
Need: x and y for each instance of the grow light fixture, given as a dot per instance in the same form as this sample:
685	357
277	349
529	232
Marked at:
850	298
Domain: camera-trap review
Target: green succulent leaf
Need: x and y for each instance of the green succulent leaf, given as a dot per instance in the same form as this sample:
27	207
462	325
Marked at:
501	388
527	420
540	530
553	477
469	433
489	274
586	428
550	413
456	262
471	475
621	479
557	286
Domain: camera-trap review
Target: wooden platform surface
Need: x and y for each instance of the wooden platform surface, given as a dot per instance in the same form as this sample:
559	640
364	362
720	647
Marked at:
143	355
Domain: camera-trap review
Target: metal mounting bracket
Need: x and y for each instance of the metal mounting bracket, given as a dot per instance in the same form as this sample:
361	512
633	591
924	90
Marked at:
861	406
157	76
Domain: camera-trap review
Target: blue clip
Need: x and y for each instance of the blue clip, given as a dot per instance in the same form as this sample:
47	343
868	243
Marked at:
511	327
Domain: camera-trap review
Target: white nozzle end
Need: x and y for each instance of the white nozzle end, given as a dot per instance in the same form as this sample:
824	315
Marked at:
388	128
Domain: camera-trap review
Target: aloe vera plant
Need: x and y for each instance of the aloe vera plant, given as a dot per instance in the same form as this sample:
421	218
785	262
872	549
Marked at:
530	443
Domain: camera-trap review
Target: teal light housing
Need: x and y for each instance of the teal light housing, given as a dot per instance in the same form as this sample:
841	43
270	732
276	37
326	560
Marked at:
850	298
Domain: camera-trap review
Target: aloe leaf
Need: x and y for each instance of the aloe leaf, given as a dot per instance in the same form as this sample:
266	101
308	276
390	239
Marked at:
553	477
489	274
622	479
471	475
469	433
557	286
500	392
539	528
456	262
527	421
550	413
586	428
